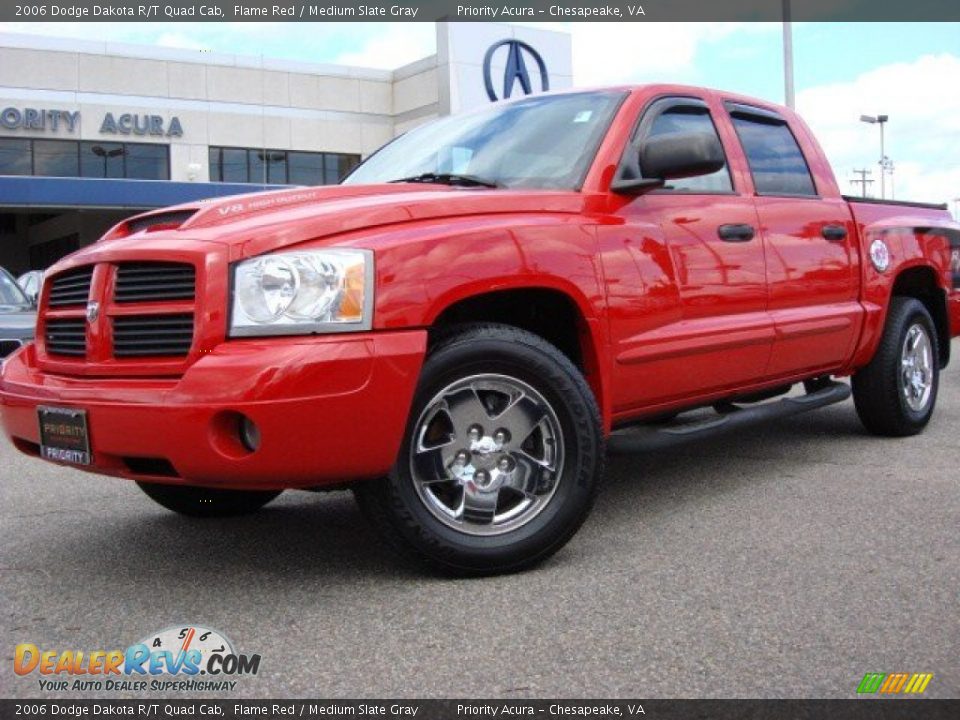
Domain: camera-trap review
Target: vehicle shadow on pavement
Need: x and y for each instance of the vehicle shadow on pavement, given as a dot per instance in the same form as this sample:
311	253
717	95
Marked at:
699	469
304	535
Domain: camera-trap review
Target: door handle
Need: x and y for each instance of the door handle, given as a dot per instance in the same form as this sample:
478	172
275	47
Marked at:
736	232
834	233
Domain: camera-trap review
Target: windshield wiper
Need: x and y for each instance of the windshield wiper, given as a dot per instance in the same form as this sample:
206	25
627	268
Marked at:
449	179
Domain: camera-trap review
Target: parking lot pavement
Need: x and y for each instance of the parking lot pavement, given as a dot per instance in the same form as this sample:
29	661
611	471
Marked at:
787	560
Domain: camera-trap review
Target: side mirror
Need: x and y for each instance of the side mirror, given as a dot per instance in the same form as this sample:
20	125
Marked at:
680	155
671	156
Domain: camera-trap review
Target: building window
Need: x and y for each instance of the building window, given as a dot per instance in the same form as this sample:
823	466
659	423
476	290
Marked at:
305	168
68	158
147	162
15	158
55	158
279	167
101	160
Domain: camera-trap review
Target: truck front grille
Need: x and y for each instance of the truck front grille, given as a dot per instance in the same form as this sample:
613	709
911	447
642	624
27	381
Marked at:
117	316
152	335
71	287
154	281
66	336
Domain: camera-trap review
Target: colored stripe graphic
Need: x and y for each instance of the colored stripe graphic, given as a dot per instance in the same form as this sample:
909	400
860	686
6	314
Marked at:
923	679
894	683
871	682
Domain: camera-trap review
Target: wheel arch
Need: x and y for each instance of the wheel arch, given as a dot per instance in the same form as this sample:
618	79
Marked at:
920	282
550	312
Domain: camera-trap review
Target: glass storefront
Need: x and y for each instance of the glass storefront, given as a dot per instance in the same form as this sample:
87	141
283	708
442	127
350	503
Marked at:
88	159
279	167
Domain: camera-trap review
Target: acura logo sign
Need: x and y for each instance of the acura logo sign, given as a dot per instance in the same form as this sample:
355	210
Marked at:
518	55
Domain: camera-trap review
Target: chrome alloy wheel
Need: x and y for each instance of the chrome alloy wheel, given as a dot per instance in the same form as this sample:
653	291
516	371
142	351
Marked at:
916	368
487	454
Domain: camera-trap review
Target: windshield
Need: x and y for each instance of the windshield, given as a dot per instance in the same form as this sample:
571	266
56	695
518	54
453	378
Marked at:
10	293
545	141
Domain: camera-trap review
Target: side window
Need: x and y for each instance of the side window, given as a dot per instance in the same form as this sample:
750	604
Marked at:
691	118
776	162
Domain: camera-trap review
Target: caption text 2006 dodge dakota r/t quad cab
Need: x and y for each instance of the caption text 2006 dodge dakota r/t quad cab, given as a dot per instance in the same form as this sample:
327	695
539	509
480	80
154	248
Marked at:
459	327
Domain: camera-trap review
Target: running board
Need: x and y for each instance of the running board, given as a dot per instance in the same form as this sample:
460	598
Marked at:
637	440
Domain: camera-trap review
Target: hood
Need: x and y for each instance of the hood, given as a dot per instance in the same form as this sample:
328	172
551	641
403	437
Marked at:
17	324
261	222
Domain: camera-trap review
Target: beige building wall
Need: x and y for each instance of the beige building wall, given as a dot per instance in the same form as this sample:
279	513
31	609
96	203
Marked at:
251	102
220	100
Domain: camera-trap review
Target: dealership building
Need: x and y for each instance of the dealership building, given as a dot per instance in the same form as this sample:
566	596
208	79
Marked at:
91	132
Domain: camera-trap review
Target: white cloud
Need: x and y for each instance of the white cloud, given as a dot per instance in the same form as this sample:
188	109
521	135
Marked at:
922	135
398	44
610	53
179	40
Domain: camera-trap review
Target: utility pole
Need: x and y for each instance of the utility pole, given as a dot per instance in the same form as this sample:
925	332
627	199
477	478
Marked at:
788	91
862	181
880	120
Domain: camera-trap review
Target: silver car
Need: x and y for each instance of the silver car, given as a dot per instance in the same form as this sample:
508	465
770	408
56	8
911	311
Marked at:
17	315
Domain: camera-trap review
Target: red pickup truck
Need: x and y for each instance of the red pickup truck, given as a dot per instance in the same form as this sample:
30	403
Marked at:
460	327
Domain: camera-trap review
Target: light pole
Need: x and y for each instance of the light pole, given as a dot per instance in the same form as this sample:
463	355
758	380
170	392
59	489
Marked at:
102	152
788	56
881	121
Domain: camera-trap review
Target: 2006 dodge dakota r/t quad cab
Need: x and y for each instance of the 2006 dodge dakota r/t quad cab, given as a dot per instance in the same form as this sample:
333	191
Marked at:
459	327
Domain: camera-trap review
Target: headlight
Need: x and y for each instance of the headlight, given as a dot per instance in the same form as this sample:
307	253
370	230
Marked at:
312	291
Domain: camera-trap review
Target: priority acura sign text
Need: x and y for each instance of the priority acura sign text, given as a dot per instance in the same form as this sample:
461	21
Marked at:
13	118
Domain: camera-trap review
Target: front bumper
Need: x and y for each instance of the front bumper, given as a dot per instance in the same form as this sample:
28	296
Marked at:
329	409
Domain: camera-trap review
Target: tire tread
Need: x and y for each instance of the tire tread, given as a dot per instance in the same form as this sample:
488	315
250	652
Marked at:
876	392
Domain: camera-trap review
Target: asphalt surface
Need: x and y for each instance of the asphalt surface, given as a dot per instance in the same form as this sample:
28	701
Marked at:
785	561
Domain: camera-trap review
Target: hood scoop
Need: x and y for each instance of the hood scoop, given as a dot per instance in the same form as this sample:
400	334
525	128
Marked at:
152	222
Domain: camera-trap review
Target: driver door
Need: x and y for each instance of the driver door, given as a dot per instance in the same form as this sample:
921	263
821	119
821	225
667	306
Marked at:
686	279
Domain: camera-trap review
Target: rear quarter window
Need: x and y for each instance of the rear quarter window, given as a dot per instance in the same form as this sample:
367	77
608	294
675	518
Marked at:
776	162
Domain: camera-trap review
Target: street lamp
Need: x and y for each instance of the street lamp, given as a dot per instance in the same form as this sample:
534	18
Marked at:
102	152
881	121
788	91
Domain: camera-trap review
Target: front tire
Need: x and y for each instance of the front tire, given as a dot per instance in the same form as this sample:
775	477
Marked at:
207	502
896	392
501	459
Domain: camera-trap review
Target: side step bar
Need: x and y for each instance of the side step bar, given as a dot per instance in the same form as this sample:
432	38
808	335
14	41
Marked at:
635	440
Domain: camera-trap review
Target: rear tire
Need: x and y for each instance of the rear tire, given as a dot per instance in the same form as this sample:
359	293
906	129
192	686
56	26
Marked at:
516	490
207	502
896	392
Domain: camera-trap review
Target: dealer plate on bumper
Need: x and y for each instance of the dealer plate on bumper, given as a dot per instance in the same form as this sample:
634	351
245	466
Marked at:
63	435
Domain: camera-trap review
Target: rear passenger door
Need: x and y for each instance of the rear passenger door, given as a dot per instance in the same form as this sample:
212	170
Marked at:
808	240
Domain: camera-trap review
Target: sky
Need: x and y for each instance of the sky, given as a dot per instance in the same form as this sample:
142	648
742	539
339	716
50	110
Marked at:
909	71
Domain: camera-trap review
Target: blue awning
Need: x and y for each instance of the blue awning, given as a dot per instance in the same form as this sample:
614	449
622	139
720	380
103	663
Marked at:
49	192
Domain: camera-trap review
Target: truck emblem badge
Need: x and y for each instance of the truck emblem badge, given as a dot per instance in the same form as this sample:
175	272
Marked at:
515	69
880	255
93	312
